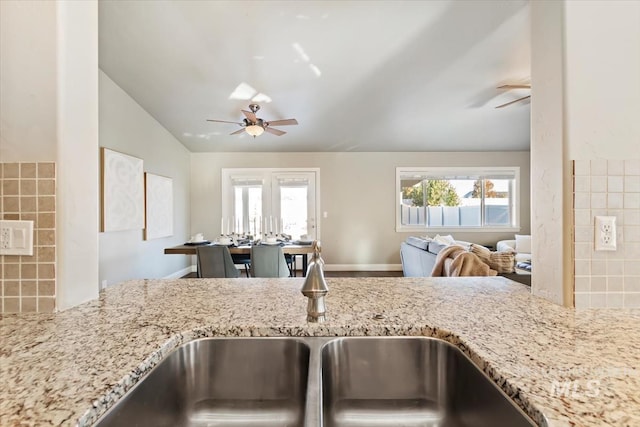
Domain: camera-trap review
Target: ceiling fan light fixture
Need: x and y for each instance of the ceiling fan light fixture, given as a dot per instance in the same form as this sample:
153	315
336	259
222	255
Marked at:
254	130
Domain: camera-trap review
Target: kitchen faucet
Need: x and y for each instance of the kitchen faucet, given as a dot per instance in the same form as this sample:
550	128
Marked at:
315	287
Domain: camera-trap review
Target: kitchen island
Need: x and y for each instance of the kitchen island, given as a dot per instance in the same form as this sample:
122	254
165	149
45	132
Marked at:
561	366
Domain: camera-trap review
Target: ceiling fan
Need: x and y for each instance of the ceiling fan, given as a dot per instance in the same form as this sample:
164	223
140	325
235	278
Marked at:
255	126
508	87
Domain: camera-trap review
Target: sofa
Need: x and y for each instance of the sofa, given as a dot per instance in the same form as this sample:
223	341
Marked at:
418	256
522	248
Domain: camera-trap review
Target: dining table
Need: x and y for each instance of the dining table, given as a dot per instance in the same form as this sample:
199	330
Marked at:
292	249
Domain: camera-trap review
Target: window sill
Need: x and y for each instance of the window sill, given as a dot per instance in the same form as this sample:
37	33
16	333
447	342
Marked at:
440	230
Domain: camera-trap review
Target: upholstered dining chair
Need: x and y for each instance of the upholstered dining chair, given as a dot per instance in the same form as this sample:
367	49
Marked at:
215	261
268	261
245	260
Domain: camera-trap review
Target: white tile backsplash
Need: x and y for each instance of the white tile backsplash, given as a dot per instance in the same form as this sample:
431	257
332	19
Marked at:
631	233
598	184
632	217
631	183
582	200
584	234
582	183
598	200
632	268
632	300
615	184
598	268
583	300
582	250
632	200
632	284
583	217
607	278
614	200
615	167
583	267
615	267
598	299
598	284
631	167
583	284
615	284
582	168
615	299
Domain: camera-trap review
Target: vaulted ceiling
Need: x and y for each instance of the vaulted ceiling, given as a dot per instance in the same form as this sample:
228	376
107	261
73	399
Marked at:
357	75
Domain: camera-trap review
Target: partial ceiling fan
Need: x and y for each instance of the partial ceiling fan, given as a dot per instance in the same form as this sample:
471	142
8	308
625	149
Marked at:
255	126
509	87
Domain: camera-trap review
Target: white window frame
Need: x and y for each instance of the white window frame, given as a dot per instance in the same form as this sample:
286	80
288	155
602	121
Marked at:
266	175
447	173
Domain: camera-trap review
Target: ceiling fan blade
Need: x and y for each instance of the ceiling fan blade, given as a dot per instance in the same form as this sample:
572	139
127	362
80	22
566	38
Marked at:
223	121
285	122
274	131
514	87
513	102
250	116
237	132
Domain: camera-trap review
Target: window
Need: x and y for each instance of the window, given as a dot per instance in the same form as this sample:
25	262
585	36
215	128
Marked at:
270	200
449	199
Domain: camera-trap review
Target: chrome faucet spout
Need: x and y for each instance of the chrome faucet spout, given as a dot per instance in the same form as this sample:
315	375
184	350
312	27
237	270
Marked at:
315	287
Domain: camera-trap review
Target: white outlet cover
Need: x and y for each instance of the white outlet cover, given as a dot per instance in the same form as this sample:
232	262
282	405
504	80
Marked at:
605	233
17	237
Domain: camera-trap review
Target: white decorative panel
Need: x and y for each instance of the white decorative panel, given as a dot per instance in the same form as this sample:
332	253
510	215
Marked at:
122	192
159	206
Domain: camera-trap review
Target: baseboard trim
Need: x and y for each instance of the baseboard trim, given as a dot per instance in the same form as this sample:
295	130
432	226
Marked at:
363	267
181	273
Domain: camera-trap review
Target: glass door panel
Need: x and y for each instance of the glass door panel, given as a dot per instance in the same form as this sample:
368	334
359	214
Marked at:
294	203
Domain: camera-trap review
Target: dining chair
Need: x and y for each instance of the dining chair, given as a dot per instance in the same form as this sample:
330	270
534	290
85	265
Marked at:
268	261
245	260
215	261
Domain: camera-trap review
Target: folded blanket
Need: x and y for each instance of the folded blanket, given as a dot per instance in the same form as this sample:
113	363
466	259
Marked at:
463	263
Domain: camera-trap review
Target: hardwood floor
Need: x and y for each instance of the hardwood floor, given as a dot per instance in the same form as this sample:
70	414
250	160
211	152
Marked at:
339	274
363	273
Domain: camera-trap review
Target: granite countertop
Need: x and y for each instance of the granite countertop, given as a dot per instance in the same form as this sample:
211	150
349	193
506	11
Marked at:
566	366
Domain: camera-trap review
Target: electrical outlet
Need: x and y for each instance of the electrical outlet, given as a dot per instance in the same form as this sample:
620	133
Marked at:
5	238
605	233
16	237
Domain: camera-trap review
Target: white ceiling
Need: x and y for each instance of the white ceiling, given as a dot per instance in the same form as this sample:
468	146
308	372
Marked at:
357	75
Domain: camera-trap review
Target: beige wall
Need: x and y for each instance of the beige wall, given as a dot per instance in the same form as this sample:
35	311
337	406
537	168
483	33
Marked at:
586	59
126	127
27	136
602	90
28	81
602	78
357	190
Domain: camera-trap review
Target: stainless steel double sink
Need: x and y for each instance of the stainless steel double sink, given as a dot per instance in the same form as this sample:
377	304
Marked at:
337	382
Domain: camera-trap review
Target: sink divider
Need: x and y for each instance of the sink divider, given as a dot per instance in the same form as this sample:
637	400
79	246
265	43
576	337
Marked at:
313	404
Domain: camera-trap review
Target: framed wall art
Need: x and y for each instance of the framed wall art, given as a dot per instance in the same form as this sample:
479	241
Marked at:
158	206
122	191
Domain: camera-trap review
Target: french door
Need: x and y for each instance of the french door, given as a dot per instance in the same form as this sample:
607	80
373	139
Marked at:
257	201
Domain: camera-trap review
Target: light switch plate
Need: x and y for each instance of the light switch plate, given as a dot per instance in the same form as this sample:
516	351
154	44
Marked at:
16	237
605	233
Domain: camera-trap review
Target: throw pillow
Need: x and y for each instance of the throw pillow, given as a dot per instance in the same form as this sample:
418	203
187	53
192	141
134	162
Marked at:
523	243
502	262
481	252
444	240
